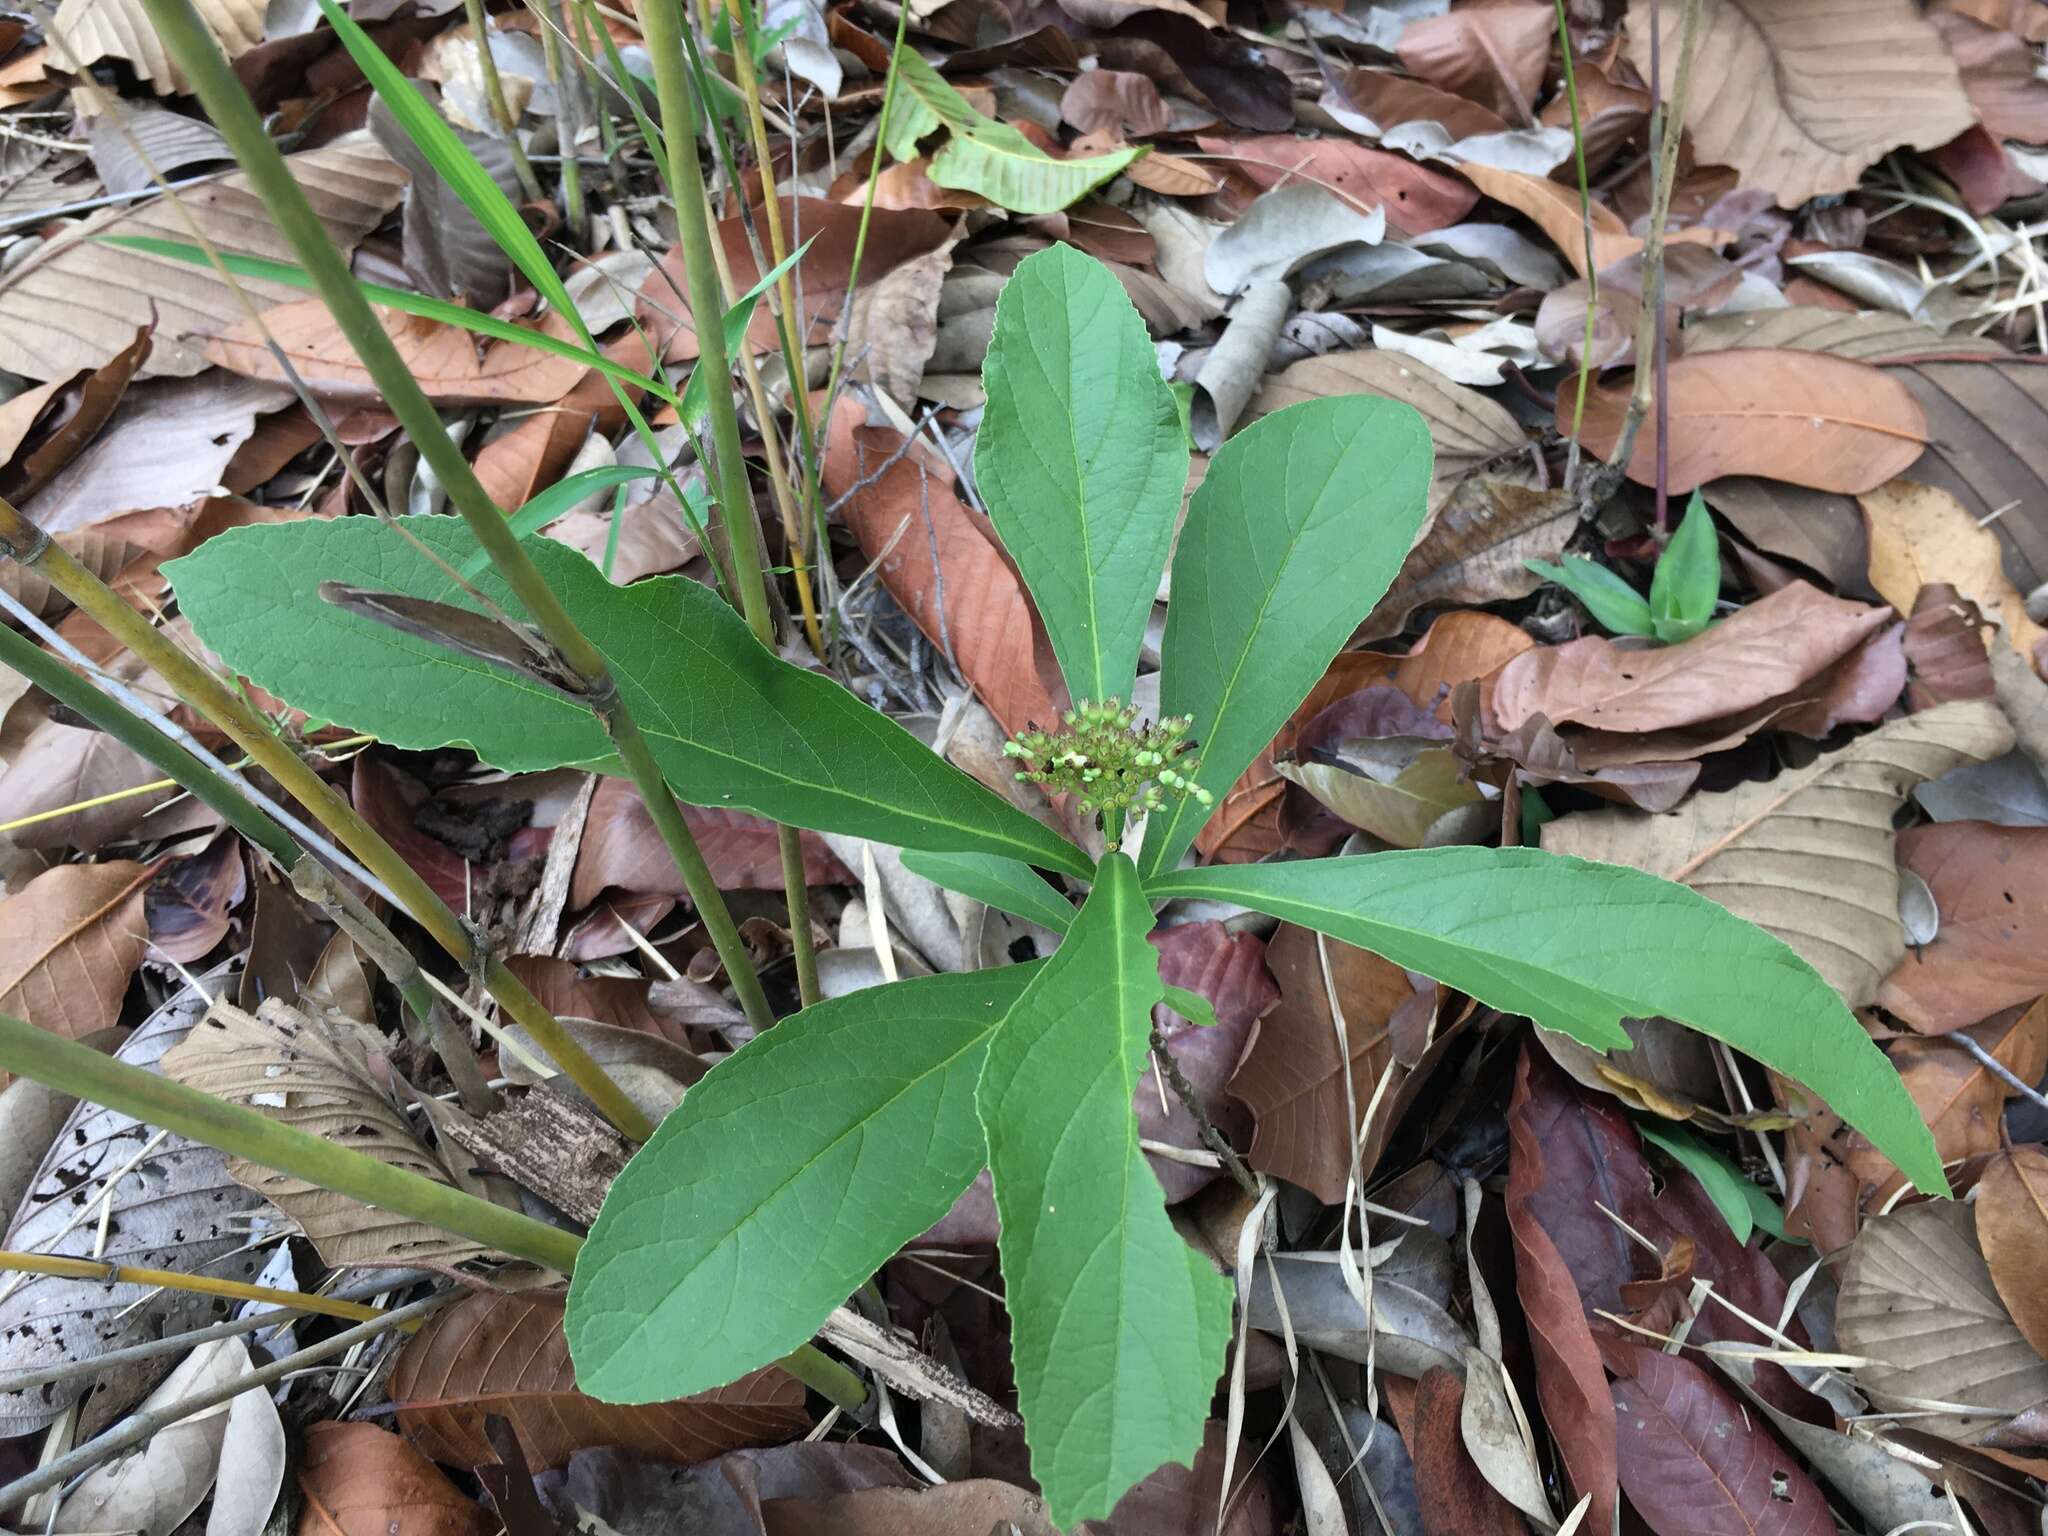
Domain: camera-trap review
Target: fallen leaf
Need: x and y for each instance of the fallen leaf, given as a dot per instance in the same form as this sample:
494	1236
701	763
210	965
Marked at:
446	249
1867	336
76	301
1293	1077
1693	1460
506	1355
1460	1502
92	30
1476	550
2012	1229
1961	1100
1415	199
1807	855
1997	70
1769	649
1571	1382
621	850
1990	885
317	1067
1802	101
452	365
1390	100
1229	970
1113	101
1555	209
135	144
359	1480
70	940
895	324
187	905
1920	534
1494	55
1804	417
1944	645
1473	433
943	563
84	402
1918	1300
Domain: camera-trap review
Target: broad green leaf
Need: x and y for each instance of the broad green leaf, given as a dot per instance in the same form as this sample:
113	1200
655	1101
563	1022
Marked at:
1082	462
1006	884
789	1175
1578	947
1295	533
1688	577
730	724
406	303
1117	1327
1615	605
1740	1202
982	155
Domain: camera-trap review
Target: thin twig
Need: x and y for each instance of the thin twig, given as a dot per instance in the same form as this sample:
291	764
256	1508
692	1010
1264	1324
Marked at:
1997	1068
1212	1138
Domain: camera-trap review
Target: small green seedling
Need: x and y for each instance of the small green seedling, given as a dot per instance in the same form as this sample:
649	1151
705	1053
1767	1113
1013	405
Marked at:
1683	589
803	1162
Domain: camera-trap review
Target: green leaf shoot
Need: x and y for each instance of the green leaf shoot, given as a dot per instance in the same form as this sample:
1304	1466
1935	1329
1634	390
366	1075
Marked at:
1740	1202
1615	605
1687	581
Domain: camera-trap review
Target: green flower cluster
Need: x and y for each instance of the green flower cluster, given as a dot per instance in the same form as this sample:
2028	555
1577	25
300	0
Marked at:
1102	755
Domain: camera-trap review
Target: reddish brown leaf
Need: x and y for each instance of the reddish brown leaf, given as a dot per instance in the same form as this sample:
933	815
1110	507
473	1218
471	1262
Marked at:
622	851
360	1480
189	902
1998	77
1571	1383
69	941
82	405
1293	1077
1694	1462
1770	648
1229	969
669	1009
1803	417
1457	1500
1416	198
2012	1229
935	544
1945	649
1990	884
1494	54
1554	208
1114	101
506	1355
1391	100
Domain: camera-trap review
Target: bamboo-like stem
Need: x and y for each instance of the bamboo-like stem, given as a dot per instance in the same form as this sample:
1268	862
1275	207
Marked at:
192	45
206	693
223	795
662	21
202	1285
494	93
246	1133
138	1428
1671	124
569	118
1571	91
84	1073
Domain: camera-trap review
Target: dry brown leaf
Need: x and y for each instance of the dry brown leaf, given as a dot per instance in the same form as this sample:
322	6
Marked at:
1867	336
1391	100
506	1355
929	545
1292	1077
1921	534
1998	74
1802	99
622	850
2012	1229
453	366
91	30
1990	885
359	1480
895	324
77	301
1961	1100
1114	101
1807	855
86	401
1474	551
69	941
1769	649
1805	417
1494	55
191	902
1472	433
61	765
1555	209
318	1067
1416	198
1918	1300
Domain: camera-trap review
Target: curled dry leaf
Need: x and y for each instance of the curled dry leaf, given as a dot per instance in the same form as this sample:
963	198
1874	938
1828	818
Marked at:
76	302
1693	1461
1772	647
69	941
1920	534
1555	209
318	1067
1802	99
92	30
1475	551
1990	885
942	562
359	1480
506	1355
1494	55
2012	1229
188	904
621	850
1807	855
1802	417
1917	1300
